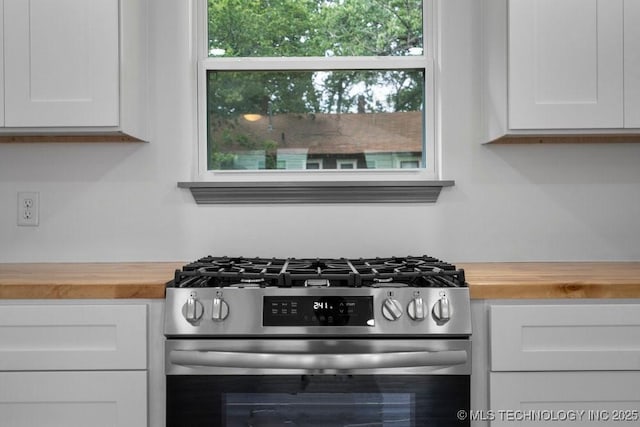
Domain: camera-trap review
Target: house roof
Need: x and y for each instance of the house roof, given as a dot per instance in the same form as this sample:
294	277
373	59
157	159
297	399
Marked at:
348	133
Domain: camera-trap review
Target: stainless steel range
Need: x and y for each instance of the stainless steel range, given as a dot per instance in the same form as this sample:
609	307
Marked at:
318	342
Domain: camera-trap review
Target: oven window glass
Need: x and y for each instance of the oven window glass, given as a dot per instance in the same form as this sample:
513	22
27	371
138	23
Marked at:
317	400
319	409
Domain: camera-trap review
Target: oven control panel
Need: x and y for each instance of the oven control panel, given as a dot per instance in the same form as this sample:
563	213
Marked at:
322	311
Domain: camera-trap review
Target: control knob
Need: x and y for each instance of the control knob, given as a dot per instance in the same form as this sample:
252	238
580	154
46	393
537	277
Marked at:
417	309
220	309
391	309
442	310
192	310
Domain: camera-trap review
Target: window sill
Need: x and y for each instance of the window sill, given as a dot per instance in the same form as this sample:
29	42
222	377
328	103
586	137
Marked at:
315	192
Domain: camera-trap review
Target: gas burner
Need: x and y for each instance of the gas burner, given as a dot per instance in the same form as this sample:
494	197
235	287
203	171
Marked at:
318	297
411	271
339	266
231	264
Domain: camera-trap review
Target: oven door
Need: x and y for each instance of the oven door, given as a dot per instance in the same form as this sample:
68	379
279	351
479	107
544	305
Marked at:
347	383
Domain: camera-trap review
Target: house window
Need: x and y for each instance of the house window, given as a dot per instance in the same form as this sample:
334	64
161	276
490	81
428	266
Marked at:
314	164
347	164
409	164
304	85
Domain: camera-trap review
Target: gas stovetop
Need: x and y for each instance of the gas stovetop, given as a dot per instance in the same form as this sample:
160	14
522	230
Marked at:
411	271
365	297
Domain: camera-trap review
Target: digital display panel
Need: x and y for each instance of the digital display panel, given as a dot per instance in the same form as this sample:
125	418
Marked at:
318	311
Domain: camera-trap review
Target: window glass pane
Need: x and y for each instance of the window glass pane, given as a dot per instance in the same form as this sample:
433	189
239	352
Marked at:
315	119
409	164
274	28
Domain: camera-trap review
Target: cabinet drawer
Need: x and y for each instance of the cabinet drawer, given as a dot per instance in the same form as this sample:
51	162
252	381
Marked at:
72	337
73	399
584	398
565	337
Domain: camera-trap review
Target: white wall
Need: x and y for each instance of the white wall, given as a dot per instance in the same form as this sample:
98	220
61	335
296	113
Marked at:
115	202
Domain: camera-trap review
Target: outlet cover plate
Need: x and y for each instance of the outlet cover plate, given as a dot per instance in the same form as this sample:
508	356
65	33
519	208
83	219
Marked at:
28	208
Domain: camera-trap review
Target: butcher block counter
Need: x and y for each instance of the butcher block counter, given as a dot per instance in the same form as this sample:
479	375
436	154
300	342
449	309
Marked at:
85	280
526	280
542	280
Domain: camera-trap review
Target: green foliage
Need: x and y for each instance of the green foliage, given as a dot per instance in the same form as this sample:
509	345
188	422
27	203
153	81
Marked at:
249	28
259	27
232	93
369	27
221	161
271	154
303	28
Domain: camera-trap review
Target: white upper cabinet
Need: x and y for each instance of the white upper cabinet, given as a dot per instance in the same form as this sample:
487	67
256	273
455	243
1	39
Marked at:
75	65
565	64
61	63
1	65
560	66
632	63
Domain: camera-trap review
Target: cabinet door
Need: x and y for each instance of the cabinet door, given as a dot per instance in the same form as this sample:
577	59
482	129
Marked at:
565	64
61	63
583	398
631	64
72	337
565	337
73	399
1	65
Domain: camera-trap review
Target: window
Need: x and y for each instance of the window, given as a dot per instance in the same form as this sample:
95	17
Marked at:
408	164
322	87
347	164
314	164
316	101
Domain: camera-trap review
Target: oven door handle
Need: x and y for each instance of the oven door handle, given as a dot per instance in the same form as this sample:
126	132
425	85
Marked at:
347	361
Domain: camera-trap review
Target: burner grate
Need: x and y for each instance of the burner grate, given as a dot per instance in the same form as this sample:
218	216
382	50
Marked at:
410	271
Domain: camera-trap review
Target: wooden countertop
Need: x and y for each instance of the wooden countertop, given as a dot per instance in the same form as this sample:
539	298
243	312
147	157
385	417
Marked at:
522	280
85	280
527	280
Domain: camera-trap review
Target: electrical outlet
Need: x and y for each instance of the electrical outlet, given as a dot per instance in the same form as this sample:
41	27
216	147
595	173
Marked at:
28	208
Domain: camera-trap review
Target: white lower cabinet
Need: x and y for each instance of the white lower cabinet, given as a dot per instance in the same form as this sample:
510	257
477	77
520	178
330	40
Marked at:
597	398
564	364
73	399
68	364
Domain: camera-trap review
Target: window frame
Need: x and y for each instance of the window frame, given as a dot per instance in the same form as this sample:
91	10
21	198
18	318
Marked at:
425	61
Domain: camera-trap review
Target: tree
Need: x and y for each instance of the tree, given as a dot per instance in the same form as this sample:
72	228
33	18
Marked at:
274	28
369	27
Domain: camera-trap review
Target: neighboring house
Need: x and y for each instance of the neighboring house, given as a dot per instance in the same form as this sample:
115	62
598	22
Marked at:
321	141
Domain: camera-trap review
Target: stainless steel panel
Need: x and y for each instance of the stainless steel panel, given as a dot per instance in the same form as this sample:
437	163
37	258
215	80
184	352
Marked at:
317	356
246	308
